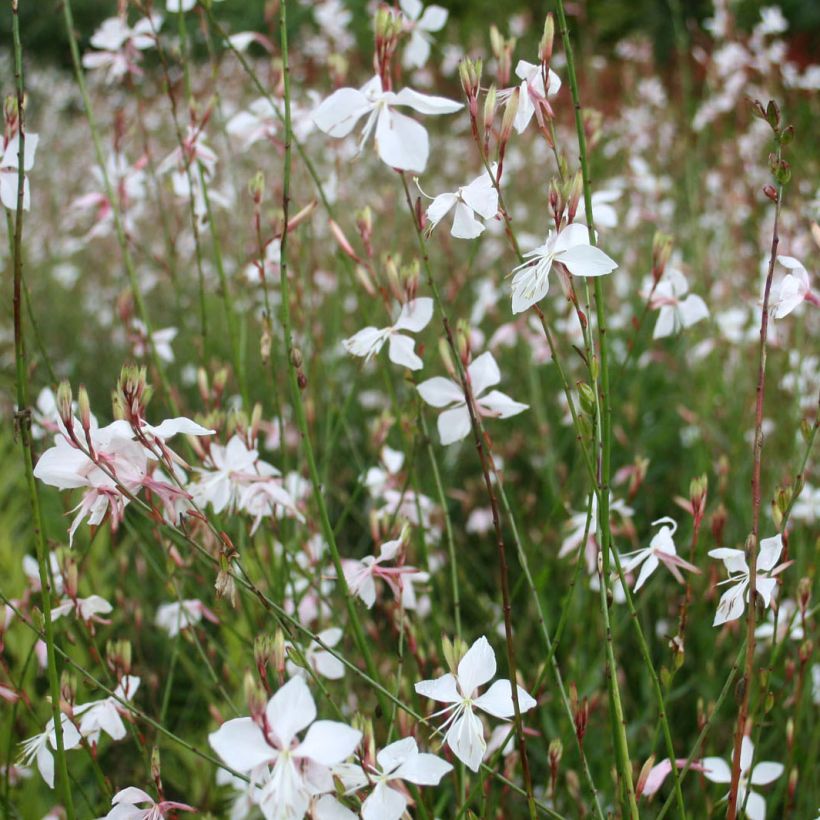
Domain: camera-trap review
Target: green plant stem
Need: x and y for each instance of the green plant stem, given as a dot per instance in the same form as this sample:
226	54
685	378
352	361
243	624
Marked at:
23	426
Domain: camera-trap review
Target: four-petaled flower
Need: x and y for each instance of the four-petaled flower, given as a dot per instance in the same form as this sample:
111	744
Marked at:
421	23
402	143
661	549
399	761
288	772
9	170
678	308
569	247
454	423
414	317
719	771
791	290
130	804
533	96
479	198
733	601
465	732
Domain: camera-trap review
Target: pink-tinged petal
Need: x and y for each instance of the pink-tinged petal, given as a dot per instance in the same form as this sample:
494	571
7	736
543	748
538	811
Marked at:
481	195
415	315
466	738
477	666
717	770
650	565
439	392
766	772
402	143
339	113
454	425
443	689
433	19
401	352
328	742
241	744
586	260
465	225
426	103
769	555
423	770
755	806
501	405
483	372
440	207
384	803
497	700
290	710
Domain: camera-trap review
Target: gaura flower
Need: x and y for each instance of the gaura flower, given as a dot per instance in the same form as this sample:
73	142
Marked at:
9	170
288	771
421	23
401	142
320	660
661	549
39	747
465	732
569	247
678	309
396	762
454	423
792	289
130	804
719	771
180	615
479	198
86	609
733	601
104	715
119	45
414	317
533	96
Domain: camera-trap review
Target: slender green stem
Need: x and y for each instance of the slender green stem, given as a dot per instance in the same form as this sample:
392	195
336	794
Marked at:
23	424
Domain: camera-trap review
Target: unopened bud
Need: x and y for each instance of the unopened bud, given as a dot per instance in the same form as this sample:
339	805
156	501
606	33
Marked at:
84	408
490	104
545	46
156	765
65	401
510	111
804	594
771	192
773	115
586	396
225	586
296	357
256	187
640	784
555	752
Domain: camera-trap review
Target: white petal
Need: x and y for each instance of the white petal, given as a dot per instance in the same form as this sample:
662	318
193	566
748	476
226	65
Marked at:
587	260
717	770
328	807
401	352
417	51
402	143
240	743
483	372
497	700
482	196
443	689
571	236
529	286
396	753
171	427
692	309
465	225
650	565
328	742
131	795
731	604
411	9
439	392
755	806
366	343
290	710
525	109
439	208
734	560
667	322
415	315
423	769
426	103
501	405
454	425
769	555
339	113
433	19
466	738
476	667
384	803
765	773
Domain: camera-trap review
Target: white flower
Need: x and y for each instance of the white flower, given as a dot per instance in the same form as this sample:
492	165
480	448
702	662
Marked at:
99	716
126	806
791	290
398	761
321	661
454	423
465	735
414	317
421	22
719	771
180	615
401	142
9	170
288	771
677	309
86	609
569	247
39	747
479	198
259	122
533	96
604	215
733	601
661	549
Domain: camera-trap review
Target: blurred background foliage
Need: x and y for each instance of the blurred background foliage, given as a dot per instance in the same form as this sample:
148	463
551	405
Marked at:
599	22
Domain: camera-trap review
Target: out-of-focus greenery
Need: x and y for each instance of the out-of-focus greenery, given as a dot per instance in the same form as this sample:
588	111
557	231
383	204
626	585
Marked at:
604	21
